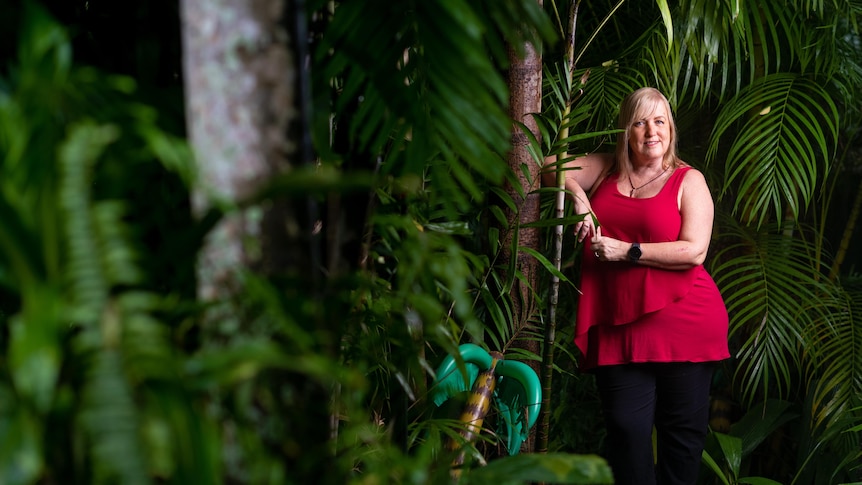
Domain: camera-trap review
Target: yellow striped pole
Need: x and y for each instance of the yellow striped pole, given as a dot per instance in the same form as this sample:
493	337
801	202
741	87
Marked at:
475	411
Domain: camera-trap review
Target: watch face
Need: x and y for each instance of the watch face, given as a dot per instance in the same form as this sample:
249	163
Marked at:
635	252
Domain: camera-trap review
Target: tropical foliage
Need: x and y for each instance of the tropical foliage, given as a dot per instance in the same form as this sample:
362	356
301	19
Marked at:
87	358
109	374
765	107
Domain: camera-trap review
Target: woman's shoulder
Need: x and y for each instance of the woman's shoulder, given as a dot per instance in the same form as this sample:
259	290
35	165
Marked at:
686	171
691	180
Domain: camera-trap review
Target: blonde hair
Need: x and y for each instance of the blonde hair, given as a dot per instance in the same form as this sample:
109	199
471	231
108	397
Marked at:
637	106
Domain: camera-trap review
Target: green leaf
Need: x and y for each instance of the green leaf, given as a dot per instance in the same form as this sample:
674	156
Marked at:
711	463
552	467
758	481
35	353
111	420
545	262
731	449
787	130
760	422
668	21
21	438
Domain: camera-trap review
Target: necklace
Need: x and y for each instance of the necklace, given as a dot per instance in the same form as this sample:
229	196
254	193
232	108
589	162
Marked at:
632	192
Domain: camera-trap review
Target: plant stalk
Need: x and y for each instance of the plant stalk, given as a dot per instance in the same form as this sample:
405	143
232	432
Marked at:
543	430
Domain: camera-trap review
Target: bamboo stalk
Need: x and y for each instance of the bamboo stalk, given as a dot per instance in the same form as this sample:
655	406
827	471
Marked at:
542	433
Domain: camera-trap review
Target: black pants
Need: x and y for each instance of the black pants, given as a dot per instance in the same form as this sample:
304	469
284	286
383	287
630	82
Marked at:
672	396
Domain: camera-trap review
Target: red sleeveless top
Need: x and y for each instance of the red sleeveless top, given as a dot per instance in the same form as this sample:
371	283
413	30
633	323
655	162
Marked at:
634	313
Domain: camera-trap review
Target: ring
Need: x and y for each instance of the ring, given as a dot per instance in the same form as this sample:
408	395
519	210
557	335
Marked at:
596	253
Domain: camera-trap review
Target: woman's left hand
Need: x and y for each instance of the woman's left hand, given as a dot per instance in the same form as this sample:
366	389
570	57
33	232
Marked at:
607	248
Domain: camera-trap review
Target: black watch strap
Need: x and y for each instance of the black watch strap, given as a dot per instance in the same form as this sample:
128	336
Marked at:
635	252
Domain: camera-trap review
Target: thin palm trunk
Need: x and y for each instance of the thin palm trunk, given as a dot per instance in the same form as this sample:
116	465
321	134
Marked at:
543	431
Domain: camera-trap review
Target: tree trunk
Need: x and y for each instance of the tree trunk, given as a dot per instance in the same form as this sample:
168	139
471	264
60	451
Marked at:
243	90
240	99
525	84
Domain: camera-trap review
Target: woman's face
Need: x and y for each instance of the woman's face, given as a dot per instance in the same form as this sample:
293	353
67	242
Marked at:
649	137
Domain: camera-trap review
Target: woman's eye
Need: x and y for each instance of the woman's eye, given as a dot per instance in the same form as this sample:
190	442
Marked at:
638	123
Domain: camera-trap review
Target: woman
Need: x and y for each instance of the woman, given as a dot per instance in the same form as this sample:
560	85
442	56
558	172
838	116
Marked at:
651	323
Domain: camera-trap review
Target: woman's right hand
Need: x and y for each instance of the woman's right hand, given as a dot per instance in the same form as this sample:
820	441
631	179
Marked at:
586	227
581	174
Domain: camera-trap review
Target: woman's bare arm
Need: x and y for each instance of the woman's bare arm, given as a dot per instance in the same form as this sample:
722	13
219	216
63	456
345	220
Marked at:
697	211
580	174
581	171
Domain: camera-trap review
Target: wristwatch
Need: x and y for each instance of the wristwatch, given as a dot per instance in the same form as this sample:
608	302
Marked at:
635	252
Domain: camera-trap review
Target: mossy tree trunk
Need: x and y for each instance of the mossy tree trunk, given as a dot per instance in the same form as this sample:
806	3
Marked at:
243	89
525	85
240	99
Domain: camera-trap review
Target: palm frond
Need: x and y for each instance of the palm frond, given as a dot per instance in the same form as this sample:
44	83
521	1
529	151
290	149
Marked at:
771	292
603	92
833	376
849	10
111	421
709	46
788	127
827	450
848	78
724	46
434	109
98	260
87	269
833	367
